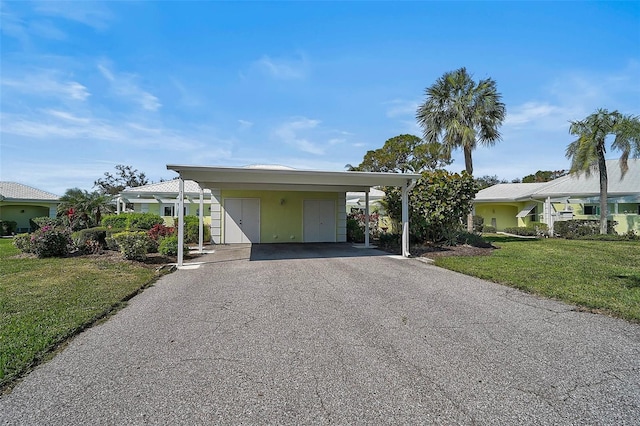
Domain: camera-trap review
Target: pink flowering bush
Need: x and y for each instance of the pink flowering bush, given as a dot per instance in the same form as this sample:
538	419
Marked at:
50	242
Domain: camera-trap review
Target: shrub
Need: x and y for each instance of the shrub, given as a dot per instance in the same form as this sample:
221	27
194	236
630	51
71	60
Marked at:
570	229
8	227
628	236
133	245
119	221
51	242
39	222
471	239
191	230
390	240
159	231
169	246
23	243
356	223
144	221
488	229
527	232
355	234
91	240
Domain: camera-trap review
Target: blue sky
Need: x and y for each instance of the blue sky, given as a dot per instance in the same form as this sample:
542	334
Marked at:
311	85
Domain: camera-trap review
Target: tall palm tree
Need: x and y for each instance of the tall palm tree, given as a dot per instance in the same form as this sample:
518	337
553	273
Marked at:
587	153
460	113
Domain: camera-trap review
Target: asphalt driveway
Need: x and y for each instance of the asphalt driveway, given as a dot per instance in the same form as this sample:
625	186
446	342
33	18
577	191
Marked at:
331	334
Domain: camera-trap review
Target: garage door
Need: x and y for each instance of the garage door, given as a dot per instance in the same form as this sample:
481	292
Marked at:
241	220
319	221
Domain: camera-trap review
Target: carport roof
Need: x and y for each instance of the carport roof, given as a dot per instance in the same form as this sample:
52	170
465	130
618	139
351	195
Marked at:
289	179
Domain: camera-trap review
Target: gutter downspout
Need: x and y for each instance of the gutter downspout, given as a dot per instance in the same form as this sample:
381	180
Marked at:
406	188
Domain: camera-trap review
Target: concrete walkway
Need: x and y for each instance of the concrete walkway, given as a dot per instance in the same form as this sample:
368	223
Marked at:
330	334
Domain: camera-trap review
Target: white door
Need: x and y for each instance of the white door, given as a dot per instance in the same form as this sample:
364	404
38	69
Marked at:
241	220
319	221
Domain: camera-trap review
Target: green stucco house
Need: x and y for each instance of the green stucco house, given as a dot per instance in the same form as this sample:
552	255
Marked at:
20	203
574	196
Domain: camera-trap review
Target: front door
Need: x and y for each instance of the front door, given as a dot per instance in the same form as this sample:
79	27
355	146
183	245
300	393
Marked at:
241	220
319	221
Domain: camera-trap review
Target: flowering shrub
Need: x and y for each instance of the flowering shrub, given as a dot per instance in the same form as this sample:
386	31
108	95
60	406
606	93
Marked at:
50	242
23	243
133	245
159	231
356	226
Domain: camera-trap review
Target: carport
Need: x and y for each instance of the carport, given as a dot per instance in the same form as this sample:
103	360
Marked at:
286	181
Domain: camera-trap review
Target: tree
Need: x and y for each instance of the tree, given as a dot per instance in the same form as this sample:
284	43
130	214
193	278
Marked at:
125	177
459	113
403	153
487	181
544	176
437	204
83	209
587	153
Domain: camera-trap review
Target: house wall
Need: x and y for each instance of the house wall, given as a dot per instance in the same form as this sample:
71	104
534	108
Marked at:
503	213
281	213
158	208
22	213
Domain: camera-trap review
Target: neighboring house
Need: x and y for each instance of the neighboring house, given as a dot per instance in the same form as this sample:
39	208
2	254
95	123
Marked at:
162	199
574	196
20	203
356	201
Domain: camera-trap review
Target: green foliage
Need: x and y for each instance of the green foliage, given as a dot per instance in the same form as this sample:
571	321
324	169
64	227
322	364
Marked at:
540	226
460	113
91	240
133	245
544	176
579	228
8	227
356	227
191	227
23	243
523	231
125	177
355	234
478	221
438	204
629	236
82	209
132	221
50	242
39	222
390	240
487	181
403	153
471	239
169	246
488	229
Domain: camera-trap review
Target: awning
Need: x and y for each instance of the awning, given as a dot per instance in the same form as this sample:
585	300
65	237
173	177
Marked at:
525	212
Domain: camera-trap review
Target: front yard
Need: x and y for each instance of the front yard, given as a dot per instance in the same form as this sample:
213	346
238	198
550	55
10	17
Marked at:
45	301
599	276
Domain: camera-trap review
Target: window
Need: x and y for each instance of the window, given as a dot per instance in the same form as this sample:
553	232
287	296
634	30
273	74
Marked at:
533	215
168	211
638	208
591	210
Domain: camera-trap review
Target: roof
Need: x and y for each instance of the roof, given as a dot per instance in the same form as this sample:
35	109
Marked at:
18	191
289	179
575	185
166	187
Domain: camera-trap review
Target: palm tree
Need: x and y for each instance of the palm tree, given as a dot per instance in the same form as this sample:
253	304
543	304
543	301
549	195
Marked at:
460	113
587	153
84	209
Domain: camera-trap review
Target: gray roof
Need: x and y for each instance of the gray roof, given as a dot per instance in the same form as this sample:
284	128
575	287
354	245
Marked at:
167	187
18	191
575	185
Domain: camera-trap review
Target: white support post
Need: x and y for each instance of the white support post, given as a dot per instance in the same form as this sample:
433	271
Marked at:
201	222
180	221
405	221
118	205
366	219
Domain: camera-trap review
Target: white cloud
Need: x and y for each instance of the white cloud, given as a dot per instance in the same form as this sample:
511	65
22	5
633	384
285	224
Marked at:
48	83
94	14
290	133
244	124
124	86
284	69
401	107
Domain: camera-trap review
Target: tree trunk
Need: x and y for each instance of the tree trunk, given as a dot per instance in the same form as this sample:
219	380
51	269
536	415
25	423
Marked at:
604	181
468	163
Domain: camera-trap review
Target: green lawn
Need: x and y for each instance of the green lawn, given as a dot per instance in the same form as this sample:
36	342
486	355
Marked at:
45	301
598	275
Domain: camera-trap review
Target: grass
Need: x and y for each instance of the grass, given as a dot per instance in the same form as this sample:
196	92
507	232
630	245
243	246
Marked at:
43	302
602	276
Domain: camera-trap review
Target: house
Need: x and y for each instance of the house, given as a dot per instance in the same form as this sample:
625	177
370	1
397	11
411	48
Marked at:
162	199
356	200
574	196
20	203
263	204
